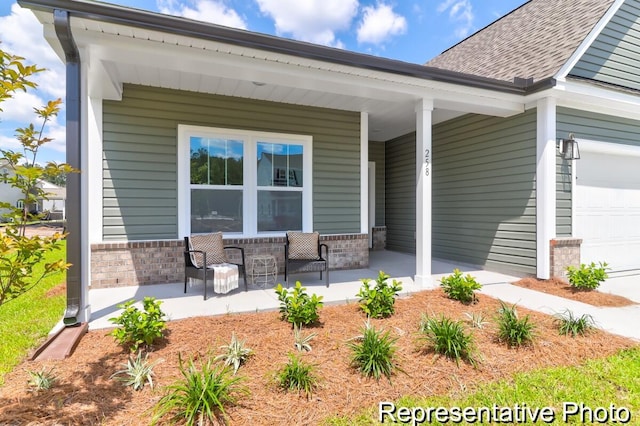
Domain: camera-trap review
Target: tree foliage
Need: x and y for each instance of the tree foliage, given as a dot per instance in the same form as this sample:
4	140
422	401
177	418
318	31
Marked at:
20	255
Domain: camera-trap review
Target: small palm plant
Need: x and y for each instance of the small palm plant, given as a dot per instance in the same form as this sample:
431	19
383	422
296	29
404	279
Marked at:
201	395
41	380
302	342
137	372
235	353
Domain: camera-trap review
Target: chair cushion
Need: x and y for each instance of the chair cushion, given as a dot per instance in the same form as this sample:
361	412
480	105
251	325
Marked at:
303	245
211	244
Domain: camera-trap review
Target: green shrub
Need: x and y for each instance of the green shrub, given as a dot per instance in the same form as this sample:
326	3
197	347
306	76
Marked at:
297	307
569	324
448	338
378	301
137	371
297	375
587	277
511	329
200	396
137	327
372	353
459	287
235	353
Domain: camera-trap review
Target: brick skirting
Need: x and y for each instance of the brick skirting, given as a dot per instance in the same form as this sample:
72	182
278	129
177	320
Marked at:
564	252
121	264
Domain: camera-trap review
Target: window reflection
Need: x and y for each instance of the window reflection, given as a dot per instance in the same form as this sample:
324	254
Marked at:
216	161
279	165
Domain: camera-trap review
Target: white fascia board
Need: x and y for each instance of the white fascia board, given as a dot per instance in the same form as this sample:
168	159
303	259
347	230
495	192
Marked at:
586	43
194	55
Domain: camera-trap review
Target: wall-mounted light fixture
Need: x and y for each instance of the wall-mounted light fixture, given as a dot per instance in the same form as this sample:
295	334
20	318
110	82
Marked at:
568	148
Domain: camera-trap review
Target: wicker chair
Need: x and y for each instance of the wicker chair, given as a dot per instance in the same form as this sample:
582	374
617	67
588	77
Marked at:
303	252
199	263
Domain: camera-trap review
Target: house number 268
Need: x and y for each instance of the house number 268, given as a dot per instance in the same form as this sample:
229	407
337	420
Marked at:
427	158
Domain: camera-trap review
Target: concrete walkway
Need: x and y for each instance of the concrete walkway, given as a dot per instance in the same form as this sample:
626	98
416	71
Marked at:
346	284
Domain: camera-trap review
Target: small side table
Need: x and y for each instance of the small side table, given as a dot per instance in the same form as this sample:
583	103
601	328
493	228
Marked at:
264	270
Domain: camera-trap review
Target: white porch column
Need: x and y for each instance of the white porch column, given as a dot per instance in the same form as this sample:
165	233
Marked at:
545	184
424	156
364	173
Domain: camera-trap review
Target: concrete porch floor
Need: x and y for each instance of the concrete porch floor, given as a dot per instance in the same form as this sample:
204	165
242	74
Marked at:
344	285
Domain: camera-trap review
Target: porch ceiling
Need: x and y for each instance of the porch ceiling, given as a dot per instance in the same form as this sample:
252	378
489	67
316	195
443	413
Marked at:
119	54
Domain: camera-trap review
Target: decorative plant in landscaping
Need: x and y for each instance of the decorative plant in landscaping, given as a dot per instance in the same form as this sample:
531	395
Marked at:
137	327
137	372
378	301
200	396
448	338
297	375
301	341
570	324
459	287
235	353
511	329
372	353
587	277
476	320
41	380
297	307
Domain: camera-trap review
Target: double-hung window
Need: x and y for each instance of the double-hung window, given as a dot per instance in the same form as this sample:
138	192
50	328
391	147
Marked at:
242	182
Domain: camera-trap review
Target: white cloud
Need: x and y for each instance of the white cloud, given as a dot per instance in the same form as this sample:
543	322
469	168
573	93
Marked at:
213	11
379	23
461	13
21	34
315	21
20	107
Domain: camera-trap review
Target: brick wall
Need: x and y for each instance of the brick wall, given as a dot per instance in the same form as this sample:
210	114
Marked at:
155	262
379	237
564	252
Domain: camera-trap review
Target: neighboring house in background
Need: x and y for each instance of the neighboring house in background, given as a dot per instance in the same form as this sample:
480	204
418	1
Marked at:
464	149
55	195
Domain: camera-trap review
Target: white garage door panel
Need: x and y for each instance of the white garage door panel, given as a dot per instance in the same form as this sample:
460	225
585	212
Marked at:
607	209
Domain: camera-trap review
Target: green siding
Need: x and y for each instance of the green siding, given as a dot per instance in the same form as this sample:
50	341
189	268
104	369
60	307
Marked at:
400	193
376	154
484	200
614	56
140	148
591	126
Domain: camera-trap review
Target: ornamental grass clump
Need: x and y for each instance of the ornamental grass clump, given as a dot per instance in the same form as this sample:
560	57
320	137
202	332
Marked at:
587	277
372	353
137	372
513	330
302	342
448	338
297	375
459	287
570	324
41	380
297	307
378	300
201	395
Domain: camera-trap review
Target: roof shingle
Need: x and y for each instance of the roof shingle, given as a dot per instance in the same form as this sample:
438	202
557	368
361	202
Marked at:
533	41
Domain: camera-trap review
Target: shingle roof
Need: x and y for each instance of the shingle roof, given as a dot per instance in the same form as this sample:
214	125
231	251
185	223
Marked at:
535	40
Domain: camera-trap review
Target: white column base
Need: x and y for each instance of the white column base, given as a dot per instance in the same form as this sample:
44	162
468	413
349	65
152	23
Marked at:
426	282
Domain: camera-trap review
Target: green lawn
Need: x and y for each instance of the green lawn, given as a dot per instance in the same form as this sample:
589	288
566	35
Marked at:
597	385
26	320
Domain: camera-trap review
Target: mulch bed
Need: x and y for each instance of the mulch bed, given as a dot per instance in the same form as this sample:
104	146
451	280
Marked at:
561	288
85	394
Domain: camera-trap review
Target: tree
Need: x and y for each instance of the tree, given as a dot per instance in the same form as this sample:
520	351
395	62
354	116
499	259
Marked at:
19	254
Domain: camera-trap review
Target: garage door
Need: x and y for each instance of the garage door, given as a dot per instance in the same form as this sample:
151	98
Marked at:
607	204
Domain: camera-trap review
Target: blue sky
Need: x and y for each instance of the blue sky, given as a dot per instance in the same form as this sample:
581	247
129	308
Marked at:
407	30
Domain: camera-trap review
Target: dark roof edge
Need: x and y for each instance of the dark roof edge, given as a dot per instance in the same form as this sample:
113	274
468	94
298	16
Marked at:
186	27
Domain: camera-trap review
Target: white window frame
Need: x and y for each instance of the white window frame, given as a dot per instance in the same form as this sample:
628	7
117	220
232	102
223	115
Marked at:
250	186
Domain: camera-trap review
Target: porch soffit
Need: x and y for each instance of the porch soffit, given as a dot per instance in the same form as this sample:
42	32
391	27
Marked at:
121	54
